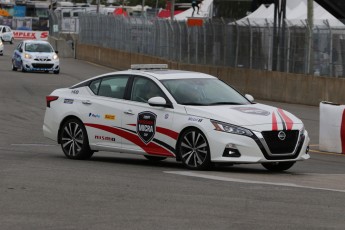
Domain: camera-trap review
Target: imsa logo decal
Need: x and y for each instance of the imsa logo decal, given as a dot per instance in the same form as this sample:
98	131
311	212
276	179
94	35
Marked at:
146	127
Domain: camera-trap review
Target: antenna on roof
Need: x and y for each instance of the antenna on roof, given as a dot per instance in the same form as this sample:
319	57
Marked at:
148	66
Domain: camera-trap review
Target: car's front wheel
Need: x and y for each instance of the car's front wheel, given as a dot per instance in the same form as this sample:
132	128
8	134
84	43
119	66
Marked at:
74	141
11	42
23	68
56	71
14	68
278	166
194	149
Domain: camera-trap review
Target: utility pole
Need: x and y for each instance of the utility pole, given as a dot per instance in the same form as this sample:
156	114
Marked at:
172	10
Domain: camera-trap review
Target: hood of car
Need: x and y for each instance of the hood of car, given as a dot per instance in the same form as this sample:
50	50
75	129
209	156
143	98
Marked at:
41	55
247	115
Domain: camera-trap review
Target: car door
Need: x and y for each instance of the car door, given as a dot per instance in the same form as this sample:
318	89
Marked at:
16	59
148	128
101	112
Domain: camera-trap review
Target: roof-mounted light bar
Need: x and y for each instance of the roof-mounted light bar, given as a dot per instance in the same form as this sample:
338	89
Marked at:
148	66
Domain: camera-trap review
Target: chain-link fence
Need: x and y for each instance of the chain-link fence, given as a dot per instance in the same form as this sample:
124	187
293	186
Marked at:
320	51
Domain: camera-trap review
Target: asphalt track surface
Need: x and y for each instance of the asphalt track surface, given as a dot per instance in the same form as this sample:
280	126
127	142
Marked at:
41	189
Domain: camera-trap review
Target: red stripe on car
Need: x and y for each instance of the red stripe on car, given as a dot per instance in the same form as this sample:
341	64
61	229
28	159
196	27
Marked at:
164	131
150	148
274	122
287	120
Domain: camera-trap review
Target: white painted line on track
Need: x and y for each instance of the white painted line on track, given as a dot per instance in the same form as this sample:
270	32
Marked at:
228	179
34	144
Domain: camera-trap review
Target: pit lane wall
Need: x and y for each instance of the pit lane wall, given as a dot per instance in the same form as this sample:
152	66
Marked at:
265	85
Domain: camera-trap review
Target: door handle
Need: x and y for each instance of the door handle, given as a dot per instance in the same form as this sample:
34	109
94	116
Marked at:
86	102
129	112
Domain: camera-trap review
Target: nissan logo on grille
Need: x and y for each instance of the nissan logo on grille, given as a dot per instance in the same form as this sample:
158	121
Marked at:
281	135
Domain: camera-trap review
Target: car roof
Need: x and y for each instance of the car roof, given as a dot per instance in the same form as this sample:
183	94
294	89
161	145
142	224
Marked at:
165	74
36	41
159	74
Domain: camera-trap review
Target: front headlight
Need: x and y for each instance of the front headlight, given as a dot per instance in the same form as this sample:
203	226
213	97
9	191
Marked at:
27	56
229	128
55	57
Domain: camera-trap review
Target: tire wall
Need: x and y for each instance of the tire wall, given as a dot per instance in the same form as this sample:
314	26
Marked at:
264	85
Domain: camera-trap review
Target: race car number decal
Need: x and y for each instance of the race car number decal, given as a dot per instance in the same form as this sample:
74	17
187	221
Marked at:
146	127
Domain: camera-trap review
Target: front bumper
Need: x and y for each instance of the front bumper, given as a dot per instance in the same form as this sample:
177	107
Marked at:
226	147
41	66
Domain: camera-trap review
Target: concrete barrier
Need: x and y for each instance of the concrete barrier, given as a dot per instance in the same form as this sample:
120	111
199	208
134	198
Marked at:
265	85
332	128
66	48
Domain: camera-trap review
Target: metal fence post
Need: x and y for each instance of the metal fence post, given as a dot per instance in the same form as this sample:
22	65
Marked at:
288	49
250	45
237	44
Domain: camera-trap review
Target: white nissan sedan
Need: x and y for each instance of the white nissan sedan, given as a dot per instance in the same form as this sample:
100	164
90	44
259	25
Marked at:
35	55
159	113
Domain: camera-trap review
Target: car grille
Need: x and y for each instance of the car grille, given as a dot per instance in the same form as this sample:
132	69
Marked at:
278	146
42	59
42	65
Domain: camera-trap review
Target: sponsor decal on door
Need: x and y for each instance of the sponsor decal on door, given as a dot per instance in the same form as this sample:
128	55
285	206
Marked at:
146	126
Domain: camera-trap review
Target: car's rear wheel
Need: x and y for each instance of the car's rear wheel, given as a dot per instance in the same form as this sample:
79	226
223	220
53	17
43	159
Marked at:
194	149
74	140
154	158
278	166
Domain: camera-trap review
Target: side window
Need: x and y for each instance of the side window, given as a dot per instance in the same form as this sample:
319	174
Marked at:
94	86
143	89
19	46
113	86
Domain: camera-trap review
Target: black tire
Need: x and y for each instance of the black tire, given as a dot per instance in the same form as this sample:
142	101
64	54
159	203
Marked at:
22	68
74	141
194	150
11	42
13	67
278	166
56	71
154	158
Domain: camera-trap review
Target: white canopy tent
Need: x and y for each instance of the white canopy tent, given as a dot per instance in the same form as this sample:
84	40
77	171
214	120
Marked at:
296	14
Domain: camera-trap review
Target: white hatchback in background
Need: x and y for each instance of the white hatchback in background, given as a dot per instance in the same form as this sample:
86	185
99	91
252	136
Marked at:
35	55
159	113
6	34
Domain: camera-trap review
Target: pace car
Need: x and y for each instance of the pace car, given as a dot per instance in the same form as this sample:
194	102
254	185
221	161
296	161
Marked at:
159	113
35	55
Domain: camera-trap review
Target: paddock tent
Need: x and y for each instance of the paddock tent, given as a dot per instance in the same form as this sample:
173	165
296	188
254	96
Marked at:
296	15
204	12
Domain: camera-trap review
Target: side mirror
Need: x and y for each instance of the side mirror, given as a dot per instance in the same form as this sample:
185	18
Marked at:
20	50
157	101
249	97
56	51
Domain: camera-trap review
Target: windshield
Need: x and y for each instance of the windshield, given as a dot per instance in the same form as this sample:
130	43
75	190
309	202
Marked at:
204	92
38	47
